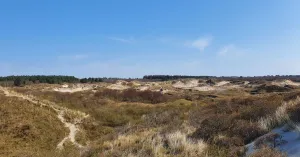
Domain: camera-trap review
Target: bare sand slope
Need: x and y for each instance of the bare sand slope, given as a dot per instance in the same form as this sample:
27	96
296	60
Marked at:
285	82
195	85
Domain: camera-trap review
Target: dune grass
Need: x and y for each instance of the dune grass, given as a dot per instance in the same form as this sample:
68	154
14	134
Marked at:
28	130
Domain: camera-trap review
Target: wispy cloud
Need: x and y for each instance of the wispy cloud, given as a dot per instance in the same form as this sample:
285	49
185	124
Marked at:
200	43
230	50
73	57
123	40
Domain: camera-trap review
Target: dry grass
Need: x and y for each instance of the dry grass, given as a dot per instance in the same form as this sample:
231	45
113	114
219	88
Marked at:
28	130
268	152
150	143
178	143
281	115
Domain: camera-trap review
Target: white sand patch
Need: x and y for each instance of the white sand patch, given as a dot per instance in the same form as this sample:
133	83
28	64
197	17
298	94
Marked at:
205	88
71	90
143	88
74	88
195	85
135	84
285	82
222	83
189	84
120	85
65	86
288	143
246	82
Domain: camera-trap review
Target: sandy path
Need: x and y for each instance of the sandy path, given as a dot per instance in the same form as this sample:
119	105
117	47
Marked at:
60	115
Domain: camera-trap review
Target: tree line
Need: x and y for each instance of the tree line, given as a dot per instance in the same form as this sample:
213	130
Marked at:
50	79
91	80
172	77
229	78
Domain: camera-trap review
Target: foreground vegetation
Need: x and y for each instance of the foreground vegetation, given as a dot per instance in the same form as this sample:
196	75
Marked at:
149	123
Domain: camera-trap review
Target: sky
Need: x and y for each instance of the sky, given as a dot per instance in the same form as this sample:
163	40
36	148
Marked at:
132	38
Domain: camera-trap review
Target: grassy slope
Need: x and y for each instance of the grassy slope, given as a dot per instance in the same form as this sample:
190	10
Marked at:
28	130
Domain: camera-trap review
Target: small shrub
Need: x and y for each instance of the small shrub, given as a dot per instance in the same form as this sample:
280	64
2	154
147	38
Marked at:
294	114
253	112
237	151
24	131
272	88
247	131
228	142
212	126
170	119
268	152
269	140
216	151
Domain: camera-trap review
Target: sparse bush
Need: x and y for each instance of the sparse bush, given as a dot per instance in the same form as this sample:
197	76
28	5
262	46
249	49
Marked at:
228	142
216	151
212	126
132	95
294	113
272	88
269	140
19	82
237	151
178	143
164	118
247	131
24	131
253	112
268	152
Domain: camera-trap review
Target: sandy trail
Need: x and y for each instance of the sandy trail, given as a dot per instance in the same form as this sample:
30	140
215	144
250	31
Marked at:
60	115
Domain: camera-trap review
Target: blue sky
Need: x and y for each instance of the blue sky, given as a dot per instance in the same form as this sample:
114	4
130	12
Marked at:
132	38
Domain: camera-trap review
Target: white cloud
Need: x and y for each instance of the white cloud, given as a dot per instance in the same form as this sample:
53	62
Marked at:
123	40
200	43
231	50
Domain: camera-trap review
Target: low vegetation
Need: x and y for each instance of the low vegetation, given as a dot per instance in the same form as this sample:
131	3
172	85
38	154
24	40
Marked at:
268	152
28	130
149	123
